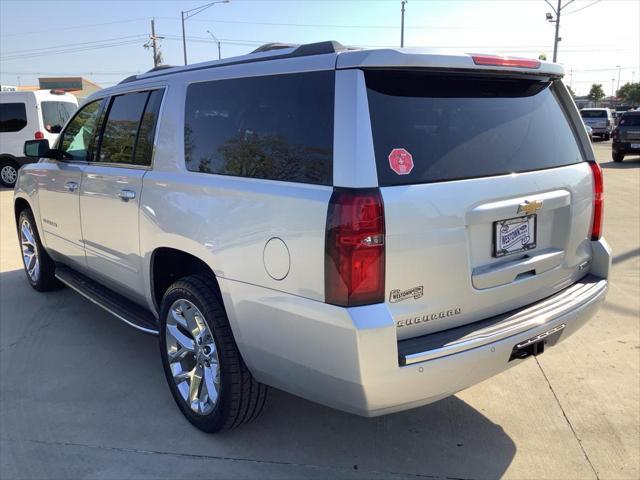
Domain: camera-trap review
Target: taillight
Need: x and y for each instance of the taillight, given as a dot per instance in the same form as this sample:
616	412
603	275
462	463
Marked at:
614	134
598	201
505	61
39	135
354	248
608	123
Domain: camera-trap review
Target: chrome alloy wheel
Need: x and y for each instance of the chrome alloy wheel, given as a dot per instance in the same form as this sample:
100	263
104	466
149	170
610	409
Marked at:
29	251
9	174
193	357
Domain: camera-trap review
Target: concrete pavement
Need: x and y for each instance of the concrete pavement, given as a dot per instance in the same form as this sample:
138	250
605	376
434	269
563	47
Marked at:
83	395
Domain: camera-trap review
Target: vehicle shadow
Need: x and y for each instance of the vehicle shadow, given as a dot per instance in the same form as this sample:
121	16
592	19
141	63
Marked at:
99	383
627	163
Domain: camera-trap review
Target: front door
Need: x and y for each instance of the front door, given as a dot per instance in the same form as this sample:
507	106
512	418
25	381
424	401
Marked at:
111	190
59	186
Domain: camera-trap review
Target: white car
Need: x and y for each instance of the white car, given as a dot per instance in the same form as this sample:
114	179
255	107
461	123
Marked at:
39	114
373	230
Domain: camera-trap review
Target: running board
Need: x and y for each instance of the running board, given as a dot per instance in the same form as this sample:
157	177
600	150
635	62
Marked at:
120	307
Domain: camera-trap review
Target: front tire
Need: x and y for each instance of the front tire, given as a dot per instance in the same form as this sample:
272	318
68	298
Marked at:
38	266
203	367
8	173
617	157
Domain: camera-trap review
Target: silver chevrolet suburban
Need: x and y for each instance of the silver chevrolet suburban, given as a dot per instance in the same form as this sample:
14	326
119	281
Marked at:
373	230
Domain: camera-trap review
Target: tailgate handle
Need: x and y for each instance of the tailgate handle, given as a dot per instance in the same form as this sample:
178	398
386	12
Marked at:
503	273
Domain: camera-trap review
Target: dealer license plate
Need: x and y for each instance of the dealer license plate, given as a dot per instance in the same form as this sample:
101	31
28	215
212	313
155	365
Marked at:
514	235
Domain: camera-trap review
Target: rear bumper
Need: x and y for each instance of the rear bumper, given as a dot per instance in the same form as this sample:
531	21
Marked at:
601	130
350	358
625	147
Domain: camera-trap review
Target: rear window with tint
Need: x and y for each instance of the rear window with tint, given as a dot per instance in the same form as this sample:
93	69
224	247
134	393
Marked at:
276	127
593	114
56	114
456	127
13	117
630	120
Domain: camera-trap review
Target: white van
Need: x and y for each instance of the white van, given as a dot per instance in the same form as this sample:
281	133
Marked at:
39	114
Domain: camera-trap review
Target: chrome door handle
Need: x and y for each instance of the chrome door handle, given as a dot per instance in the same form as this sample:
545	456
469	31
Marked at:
126	195
71	186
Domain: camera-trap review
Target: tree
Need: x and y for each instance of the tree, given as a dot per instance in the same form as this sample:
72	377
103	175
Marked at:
543	57
596	93
573	94
630	93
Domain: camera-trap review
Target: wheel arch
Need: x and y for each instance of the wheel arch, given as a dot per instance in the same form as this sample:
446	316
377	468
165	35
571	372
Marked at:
19	205
169	264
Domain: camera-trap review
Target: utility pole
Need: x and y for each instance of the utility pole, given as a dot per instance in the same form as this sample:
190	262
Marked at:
557	37
402	24
153	44
619	68
558	10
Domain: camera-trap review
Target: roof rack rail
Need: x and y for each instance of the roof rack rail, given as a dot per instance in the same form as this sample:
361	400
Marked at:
268	47
304	50
154	69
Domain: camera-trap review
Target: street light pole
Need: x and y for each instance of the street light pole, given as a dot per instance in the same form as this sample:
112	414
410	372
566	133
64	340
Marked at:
215	39
402	24
187	14
184	40
619	68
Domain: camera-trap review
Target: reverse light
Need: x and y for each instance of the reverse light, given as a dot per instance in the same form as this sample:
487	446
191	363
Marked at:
496	61
354	248
39	135
598	201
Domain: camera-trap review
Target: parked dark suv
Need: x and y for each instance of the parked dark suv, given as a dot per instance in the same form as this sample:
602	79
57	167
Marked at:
626	136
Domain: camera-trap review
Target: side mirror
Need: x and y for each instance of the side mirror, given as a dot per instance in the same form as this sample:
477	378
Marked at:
36	148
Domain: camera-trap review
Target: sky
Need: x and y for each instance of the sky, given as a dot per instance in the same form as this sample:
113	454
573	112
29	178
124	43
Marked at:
104	40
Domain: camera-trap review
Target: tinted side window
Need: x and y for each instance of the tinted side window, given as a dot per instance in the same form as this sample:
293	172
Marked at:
78	137
277	127
121	128
144	146
13	117
56	114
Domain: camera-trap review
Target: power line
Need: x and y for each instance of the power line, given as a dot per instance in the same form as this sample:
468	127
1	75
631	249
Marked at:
76	44
72	28
71	50
327	25
582	8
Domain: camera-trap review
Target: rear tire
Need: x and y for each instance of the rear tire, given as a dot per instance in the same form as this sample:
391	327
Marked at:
38	266
607	136
8	172
197	348
617	157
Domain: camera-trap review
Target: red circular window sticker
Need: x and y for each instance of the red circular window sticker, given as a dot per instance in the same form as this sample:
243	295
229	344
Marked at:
401	161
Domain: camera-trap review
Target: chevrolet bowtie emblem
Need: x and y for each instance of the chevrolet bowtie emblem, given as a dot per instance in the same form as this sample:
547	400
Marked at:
530	208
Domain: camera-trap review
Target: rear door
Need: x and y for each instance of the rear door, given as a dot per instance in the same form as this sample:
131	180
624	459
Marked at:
487	198
111	189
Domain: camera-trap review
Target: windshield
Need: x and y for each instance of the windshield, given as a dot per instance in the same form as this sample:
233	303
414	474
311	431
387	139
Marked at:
593	113
56	114
433	127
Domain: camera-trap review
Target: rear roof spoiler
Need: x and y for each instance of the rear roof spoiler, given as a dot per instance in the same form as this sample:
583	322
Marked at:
431	58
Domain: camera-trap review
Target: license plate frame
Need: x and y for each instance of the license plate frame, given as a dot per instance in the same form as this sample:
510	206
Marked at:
635	145
514	235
